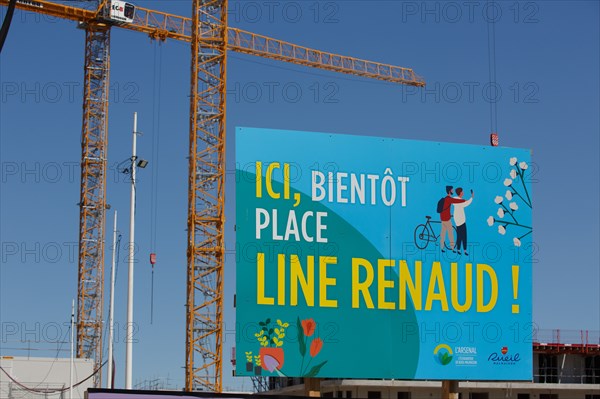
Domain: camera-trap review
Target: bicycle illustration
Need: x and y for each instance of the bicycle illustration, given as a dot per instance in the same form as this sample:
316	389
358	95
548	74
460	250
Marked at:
424	234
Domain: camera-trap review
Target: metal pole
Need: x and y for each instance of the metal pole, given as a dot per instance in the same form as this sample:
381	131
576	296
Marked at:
111	310
71	361
129	336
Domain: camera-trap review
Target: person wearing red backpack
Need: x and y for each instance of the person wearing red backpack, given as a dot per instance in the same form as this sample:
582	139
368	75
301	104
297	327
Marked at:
444	205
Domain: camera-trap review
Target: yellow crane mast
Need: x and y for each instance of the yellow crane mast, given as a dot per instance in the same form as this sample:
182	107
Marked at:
210	38
92	204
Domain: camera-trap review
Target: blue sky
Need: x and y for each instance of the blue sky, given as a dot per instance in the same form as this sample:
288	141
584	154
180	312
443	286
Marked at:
547	62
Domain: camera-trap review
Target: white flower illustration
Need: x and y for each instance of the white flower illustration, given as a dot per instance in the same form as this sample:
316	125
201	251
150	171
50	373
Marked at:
517	199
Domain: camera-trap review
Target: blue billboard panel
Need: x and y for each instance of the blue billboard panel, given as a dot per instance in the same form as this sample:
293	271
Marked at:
369	257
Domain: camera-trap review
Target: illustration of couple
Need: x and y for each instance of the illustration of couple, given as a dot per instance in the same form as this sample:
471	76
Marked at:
460	219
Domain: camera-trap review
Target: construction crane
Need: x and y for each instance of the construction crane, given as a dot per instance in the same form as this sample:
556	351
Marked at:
210	37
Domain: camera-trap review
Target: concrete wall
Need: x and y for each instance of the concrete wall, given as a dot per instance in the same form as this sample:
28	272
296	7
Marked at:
43	374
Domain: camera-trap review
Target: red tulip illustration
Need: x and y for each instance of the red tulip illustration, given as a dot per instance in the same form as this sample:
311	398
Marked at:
309	342
315	346
309	326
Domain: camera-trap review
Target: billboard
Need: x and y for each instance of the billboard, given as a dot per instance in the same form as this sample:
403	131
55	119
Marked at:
369	257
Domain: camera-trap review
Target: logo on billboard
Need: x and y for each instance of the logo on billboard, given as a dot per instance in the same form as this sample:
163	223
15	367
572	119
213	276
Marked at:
465	356
442	354
504	358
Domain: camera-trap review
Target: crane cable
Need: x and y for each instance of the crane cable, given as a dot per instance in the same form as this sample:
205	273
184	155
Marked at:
6	23
156	96
491	33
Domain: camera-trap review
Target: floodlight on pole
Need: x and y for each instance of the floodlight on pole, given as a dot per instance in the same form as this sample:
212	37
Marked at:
142	163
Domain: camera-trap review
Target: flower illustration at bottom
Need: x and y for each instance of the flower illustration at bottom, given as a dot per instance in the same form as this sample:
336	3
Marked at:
498	199
523	165
517	242
490	221
309	344
513	174
271	358
514	206
501	230
308	326
315	346
500	213
508	195
513	161
271	363
508	182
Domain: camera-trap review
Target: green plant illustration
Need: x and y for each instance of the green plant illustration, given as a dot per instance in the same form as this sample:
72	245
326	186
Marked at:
271	334
248	356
